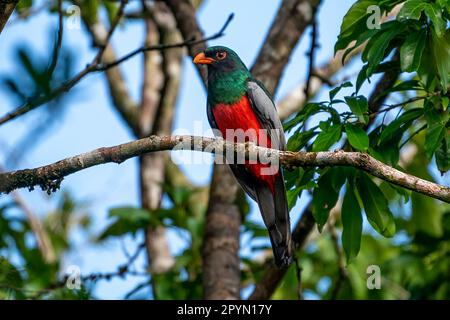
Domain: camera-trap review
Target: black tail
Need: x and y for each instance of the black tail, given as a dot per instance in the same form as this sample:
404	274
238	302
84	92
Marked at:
275	213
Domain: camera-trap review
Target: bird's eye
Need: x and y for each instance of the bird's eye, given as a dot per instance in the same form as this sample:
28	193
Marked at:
221	55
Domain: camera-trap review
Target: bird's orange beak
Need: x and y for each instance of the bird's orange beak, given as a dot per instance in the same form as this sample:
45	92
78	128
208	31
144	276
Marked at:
202	59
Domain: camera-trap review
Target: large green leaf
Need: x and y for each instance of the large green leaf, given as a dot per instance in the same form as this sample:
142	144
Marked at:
376	206
436	125
429	223
299	139
128	220
326	194
433	138
334	91
433	13
359	106
357	137
412	50
441	55
89	10
399	125
353	23
309	110
411	9
326	138
443	154
376	48
351	224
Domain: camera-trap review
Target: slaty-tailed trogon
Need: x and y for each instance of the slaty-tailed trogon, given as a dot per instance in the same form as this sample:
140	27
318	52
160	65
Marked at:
238	101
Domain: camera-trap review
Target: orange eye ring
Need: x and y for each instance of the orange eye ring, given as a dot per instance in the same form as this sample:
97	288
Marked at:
221	55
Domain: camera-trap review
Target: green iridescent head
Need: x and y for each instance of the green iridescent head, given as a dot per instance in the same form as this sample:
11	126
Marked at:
227	74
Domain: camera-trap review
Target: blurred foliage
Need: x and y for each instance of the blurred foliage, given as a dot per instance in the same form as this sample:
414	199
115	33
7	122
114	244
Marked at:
405	234
24	274
420	34
34	79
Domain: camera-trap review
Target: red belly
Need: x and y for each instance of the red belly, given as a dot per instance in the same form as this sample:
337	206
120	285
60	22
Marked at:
240	115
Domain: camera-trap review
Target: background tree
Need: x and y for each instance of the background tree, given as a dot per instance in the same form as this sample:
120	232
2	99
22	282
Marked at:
394	108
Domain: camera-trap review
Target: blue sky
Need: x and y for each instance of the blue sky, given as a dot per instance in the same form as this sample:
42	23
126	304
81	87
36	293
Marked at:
90	122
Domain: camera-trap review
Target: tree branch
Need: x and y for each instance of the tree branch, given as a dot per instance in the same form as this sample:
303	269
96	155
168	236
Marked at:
311	53
50	176
58	43
292	18
43	241
221	278
6	9
159	96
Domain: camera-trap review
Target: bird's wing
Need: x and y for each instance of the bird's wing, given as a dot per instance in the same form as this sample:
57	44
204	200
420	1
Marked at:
266	113
274	208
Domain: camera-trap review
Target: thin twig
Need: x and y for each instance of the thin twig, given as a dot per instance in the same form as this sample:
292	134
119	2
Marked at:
58	43
311	53
298	270
413	135
400	104
342	272
186	43
95	66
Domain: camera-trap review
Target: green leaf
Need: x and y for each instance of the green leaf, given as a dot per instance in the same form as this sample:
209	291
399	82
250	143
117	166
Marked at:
325	139
24	5
111	9
412	9
375	206
362	76
292	197
375	50
357	137
400	125
429	223
129	213
412	50
359	106
351	224
353	23
309	110
299	139
436	126
326	194
335	91
128	219
433	138
443	154
433	13
89	10
445	102
407	85
441	55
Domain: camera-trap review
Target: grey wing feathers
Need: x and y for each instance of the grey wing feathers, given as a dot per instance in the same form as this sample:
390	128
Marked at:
267	113
273	207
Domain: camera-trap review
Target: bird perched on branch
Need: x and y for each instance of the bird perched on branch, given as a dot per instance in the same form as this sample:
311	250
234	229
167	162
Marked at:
242	110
